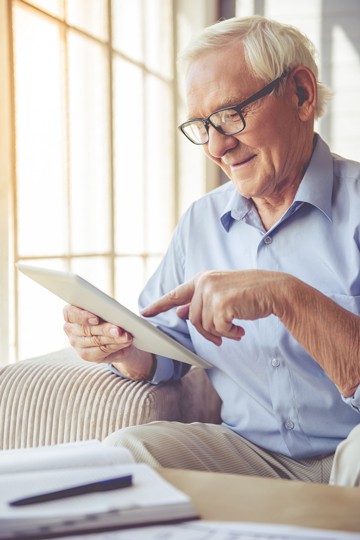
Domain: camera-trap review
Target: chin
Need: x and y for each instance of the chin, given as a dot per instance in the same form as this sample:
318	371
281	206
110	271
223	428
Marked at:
242	186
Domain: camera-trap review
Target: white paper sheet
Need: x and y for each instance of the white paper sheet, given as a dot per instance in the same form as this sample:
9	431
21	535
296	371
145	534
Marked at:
91	453
211	530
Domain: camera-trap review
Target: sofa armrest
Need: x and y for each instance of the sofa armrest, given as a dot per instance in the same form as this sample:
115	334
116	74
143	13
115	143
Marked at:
60	398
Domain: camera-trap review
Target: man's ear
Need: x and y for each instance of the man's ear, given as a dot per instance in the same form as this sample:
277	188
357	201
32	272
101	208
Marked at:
304	92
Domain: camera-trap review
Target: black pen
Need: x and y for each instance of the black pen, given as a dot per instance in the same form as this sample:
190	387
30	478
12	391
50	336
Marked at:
101	485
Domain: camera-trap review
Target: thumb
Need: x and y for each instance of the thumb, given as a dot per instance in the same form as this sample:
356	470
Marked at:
183	311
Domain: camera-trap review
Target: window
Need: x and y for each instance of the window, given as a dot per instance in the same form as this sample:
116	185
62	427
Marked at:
92	178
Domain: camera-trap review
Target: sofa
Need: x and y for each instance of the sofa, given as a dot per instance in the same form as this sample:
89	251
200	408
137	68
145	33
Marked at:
58	397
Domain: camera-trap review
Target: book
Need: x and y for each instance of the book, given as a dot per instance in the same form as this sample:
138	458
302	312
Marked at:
36	471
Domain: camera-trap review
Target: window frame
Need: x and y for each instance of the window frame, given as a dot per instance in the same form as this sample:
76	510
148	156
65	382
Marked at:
207	173
7	178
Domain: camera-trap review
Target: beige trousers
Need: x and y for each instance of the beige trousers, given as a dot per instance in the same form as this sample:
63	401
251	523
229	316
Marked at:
214	448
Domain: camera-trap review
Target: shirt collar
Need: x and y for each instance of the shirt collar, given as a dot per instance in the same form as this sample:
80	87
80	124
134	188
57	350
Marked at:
315	188
317	185
236	209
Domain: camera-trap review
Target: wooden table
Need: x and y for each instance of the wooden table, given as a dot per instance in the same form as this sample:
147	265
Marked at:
229	497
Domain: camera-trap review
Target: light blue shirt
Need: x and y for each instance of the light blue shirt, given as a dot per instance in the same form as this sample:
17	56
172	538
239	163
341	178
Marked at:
274	394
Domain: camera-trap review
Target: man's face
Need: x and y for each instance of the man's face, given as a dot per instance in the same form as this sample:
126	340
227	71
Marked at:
267	158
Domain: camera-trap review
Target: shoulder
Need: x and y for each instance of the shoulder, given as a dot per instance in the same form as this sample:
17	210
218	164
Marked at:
346	189
346	169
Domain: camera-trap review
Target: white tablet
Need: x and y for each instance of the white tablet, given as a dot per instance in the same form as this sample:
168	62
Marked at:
77	291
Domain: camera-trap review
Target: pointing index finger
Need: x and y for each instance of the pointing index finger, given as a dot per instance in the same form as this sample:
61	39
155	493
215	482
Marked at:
176	297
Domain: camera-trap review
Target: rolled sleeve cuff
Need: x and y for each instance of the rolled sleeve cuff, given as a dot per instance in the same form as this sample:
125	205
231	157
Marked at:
354	401
166	370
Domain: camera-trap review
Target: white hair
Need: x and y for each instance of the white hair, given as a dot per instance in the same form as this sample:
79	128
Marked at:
270	49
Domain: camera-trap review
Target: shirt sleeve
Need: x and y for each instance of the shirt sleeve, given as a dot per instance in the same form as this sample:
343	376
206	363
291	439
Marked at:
166	370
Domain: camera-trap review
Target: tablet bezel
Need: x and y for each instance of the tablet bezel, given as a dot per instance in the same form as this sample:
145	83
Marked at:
75	290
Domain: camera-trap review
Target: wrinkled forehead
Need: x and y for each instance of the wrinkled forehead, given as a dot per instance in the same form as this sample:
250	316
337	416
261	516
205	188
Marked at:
217	62
217	78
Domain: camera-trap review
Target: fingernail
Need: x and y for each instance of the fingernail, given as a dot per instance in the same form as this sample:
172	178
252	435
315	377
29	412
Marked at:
114	331
93	320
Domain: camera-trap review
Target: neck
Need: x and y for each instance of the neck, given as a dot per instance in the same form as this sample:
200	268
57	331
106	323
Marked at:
270	213
271	208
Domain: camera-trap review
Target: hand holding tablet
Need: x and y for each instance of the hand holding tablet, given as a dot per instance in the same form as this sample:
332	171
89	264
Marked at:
77	291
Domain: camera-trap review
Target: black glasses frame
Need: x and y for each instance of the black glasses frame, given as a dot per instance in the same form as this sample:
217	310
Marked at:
238	108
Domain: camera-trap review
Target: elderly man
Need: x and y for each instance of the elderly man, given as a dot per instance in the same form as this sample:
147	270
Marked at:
264	271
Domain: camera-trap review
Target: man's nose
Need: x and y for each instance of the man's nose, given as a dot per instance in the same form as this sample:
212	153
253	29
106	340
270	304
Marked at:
220	144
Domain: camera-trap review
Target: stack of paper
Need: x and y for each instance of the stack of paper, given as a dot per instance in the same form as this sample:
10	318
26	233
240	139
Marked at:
25	473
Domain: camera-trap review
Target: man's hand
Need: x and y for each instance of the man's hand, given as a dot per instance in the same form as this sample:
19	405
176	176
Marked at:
93	340
98	341
212	300
330	334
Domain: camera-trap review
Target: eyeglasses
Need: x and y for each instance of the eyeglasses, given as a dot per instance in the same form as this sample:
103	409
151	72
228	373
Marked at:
227	121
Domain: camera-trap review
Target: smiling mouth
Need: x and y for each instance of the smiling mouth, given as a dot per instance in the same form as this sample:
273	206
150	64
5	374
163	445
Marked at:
243	162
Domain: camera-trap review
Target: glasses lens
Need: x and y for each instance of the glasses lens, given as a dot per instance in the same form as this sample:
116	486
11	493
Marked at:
196	132
228	120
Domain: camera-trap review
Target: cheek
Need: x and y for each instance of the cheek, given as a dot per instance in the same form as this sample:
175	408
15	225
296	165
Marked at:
271	159
268	143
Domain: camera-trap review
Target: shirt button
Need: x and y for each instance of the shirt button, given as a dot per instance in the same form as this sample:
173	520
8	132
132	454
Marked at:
267	240
289	424
275	362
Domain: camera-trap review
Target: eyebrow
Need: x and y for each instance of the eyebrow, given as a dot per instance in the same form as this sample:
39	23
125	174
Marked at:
228	102
231	101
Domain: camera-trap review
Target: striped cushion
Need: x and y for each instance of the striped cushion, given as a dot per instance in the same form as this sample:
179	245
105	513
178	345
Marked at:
59	398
